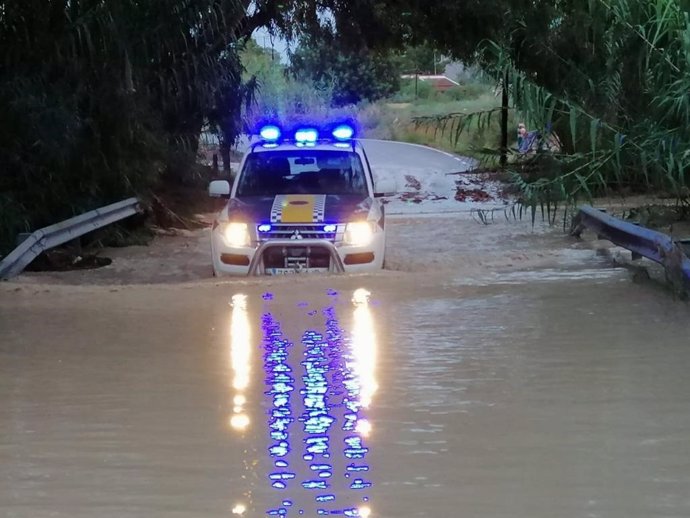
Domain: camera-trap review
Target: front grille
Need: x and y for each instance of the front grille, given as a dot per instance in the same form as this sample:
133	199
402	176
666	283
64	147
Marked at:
297	232
297	256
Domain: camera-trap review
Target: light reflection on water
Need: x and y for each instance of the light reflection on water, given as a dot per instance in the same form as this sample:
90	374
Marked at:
240	364
318	393
240	356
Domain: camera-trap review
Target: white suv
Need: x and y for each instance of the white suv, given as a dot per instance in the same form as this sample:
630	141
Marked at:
300	204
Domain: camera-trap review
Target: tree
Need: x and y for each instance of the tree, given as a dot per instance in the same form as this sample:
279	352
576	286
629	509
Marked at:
351	75
97	97
421	59
610	77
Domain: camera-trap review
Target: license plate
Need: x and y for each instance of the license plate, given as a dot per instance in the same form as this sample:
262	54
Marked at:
290	271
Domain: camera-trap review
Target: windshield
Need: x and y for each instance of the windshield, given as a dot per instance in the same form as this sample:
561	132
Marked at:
302	171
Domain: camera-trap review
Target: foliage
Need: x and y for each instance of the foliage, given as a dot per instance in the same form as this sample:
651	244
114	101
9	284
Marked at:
414	91
281	97
396	121
610	79
97	98
351	75
421	59
421	92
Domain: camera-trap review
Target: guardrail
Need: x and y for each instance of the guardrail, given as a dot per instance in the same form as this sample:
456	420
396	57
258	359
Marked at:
641	241
60	233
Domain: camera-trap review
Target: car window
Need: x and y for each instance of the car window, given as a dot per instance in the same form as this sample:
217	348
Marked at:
302	172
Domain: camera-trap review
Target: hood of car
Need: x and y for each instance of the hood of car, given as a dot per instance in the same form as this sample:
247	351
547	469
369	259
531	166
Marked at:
299	208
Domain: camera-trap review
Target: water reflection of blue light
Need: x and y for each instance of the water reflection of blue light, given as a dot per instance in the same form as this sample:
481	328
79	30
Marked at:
356	453
318	446
315	484
282	476
337	376
355	450
318	424
359	483
355	468
316	419
280	385
280	450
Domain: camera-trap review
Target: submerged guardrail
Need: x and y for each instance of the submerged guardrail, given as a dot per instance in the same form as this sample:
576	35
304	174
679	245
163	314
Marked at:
641	241
60	233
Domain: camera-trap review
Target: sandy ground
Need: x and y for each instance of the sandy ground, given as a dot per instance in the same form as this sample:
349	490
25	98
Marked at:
452	244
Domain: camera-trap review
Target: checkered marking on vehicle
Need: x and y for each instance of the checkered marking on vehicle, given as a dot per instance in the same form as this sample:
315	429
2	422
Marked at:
298	208
277	209
319	209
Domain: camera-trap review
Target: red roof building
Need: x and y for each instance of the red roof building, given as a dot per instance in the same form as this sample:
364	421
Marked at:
439	82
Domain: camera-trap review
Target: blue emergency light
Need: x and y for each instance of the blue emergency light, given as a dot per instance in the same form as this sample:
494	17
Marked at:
270	133
343	132
306	135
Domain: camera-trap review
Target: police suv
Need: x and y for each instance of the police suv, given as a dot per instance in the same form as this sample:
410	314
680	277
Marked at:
304	201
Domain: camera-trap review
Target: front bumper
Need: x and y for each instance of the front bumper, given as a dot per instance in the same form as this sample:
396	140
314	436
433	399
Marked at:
256	260
257	266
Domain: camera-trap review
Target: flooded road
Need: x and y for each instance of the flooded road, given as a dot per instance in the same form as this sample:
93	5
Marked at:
559	390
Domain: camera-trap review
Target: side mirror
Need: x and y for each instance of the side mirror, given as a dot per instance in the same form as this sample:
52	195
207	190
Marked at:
219	189
385	187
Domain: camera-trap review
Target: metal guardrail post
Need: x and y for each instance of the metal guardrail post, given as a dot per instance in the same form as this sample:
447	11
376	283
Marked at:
641	241
60	233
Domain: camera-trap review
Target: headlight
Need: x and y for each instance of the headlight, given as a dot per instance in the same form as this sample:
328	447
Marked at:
359	233
236	234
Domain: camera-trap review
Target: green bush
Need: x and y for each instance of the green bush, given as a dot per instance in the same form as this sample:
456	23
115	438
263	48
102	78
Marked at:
467	91
409	92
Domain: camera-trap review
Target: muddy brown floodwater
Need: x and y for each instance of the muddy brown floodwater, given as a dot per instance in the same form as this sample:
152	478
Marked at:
498	371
